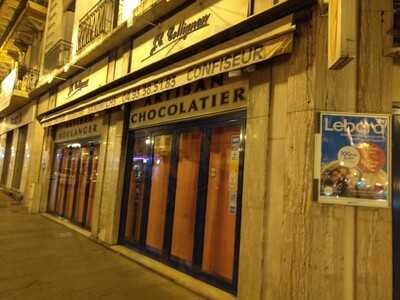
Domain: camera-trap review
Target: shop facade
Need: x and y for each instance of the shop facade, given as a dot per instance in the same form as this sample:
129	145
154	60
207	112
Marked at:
20	133
199	161
74	178
184	178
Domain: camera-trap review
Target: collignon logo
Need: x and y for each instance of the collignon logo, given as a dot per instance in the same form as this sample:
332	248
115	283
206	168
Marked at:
176	33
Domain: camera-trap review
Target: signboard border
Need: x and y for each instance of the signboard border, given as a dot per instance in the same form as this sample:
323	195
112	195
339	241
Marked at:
317	163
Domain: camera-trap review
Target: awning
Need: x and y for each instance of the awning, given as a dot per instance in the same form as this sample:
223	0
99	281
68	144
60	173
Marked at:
258	45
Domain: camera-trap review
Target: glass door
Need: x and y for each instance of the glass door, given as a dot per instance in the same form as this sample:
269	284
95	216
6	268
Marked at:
220	221
82	186
55	179
62	181
160	172
91	188
73	182
7	157
182	197
20	156
184	217
140	163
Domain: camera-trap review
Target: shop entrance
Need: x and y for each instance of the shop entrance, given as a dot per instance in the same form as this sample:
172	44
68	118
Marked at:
182	196
73	181
7	157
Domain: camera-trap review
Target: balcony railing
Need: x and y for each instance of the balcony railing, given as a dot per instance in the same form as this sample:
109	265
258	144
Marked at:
96	23
57	56
27	79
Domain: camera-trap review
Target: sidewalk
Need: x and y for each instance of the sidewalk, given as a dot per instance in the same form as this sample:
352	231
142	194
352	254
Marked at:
42	260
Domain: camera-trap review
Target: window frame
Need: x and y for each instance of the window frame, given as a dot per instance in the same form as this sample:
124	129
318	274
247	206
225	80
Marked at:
63	145
205	125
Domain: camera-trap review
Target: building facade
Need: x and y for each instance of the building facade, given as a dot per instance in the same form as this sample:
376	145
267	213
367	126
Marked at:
20	132
181	134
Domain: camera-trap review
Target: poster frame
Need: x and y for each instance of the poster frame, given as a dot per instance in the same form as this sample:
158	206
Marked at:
350	201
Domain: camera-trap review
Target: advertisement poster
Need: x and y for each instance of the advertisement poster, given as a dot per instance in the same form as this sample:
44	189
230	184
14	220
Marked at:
354	162
234	173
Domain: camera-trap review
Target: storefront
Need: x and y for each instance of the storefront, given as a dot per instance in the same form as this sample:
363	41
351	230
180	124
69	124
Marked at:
73	179
164	176
183	181
15	149
206	158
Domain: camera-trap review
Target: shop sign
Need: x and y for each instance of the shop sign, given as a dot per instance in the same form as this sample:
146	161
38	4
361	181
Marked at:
77	86
21	117
79	129
176	33
353	167
209	102
188	27
272	40
87	81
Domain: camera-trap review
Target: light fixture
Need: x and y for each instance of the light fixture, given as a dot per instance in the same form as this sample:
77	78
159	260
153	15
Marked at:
78	67
66	67
235	73
50	79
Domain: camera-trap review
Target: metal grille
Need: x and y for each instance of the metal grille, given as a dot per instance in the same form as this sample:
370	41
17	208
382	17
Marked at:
97	22
58	55
27	79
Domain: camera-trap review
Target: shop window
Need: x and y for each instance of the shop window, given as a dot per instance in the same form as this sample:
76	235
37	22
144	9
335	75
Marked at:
20	156
159	191
183	195
186	195
136	192
7	157
73	182
220	223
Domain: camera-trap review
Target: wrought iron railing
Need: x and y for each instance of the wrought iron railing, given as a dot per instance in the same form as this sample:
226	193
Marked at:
27	79
96	23
57	56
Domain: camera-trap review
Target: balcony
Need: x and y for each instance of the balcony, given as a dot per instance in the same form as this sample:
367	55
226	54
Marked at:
95	24
91	48
27	79
15	89
20	22
57	56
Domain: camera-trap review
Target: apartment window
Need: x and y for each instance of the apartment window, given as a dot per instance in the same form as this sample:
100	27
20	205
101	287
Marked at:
183	194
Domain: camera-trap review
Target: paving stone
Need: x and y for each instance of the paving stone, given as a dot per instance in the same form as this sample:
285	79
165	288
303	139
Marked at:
42	260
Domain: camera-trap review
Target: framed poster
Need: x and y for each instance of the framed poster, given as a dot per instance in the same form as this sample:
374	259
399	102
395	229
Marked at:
353	163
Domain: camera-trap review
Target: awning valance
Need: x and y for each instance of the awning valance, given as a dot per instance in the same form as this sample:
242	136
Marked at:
258	45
